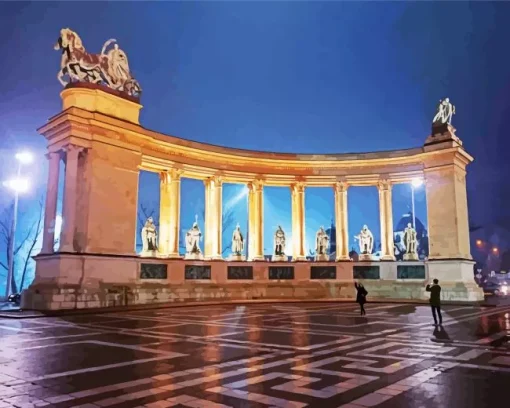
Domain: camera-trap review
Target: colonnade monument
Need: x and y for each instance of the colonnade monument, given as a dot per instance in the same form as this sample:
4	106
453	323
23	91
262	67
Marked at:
99	138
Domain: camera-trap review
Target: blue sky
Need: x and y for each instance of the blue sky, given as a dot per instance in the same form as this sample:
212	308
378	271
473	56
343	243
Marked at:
320	77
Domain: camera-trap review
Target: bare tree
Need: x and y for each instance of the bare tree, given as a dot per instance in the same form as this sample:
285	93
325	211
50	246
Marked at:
25	247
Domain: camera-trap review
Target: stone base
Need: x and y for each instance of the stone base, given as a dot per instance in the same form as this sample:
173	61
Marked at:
279	258
411	257
321	258
236	258
194	257
70	281
149	254
365	257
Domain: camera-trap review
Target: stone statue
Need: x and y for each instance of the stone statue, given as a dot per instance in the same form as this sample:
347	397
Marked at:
110	69
321	245
411	243
193	237
279	241
279	245
237	245
445	112
149	238
237	241
366	242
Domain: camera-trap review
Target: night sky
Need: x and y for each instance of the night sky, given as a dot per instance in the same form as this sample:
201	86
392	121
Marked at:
330	77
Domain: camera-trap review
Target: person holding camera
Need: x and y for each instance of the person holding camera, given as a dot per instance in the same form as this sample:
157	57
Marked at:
435	300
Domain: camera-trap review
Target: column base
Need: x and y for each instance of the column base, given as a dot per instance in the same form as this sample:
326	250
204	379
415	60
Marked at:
300	258
365	257
387	258
258	258
343	258
175	256
236	258
216	258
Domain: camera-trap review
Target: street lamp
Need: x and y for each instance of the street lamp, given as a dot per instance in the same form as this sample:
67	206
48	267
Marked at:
18	185
415	183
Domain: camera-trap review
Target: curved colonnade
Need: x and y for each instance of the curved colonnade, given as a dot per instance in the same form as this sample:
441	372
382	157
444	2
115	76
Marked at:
99	137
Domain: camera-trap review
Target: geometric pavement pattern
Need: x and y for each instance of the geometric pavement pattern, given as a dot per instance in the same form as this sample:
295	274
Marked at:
260	355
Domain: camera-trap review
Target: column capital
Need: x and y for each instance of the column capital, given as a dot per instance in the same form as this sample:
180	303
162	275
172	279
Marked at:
217	181
51	155
297	187
384	184
170	175
340	186
71	148
255	185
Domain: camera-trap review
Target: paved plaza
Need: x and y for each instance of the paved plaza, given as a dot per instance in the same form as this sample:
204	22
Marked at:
260	355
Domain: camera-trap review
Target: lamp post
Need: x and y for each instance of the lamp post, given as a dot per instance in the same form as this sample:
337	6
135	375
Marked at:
415	183
18	185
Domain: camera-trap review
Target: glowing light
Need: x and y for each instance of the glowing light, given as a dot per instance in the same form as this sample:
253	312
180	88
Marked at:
495	250
504	289
479	242
417	182
18	185
24	157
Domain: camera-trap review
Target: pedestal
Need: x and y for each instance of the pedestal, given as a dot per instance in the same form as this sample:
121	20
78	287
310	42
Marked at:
411	256
456	278
237	258
194	257
279	258
322	258
365	257
149	254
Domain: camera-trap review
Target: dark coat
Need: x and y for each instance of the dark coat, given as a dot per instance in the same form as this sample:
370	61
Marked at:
435	294
361	297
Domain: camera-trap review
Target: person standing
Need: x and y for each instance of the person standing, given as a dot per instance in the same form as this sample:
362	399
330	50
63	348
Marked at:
361	296
435	300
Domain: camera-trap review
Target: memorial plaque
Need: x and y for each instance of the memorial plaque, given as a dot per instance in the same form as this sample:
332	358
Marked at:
411	272
153	271
281	272
323	272
197	272
240	272
366	272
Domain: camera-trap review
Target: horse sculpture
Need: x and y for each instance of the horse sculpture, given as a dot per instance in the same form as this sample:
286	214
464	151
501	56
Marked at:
110	68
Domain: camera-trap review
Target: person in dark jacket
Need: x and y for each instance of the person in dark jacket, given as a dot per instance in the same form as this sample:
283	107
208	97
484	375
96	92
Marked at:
435	300
361	297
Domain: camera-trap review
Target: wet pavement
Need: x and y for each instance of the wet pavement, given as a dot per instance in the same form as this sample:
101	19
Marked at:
261	355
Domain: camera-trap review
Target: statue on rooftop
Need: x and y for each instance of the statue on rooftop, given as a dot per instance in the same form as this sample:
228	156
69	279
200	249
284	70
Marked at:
109	68
366	241
445	112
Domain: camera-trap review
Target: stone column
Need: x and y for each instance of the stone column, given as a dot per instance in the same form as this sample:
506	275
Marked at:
213	217
341	218
447	212
164	214
386	219
69	200
50	212
175	213
256	221
298	221
169	213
